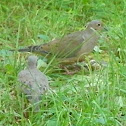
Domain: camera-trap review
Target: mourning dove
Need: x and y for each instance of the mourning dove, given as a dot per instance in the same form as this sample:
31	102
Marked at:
73	46
34	82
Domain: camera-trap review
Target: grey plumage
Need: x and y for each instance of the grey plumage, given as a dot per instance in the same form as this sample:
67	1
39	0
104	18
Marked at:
71	45
34	82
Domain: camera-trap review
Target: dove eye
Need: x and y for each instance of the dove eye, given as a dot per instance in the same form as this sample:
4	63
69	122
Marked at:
99	24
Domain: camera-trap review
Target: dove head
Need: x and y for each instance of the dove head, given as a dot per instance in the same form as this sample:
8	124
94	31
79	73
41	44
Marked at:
95	24
32	61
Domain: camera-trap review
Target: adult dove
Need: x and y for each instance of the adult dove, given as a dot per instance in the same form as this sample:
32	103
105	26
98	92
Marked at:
34	82
71	47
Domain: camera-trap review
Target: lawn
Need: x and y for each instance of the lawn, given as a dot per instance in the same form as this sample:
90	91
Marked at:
87	98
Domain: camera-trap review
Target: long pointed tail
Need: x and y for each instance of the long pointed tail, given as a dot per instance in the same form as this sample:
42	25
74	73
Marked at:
30	49
25	50
34	49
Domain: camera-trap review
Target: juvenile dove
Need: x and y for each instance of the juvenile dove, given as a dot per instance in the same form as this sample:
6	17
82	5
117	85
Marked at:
73	46
34	82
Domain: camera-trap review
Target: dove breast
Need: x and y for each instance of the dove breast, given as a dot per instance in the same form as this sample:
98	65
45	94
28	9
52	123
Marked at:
33	80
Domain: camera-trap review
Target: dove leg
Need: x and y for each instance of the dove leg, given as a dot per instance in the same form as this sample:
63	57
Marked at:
68	65
68	61
70	69
68	72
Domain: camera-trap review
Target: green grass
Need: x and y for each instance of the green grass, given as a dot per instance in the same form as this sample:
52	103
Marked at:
73	101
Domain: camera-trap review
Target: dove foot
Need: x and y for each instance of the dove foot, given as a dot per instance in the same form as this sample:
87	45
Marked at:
71	69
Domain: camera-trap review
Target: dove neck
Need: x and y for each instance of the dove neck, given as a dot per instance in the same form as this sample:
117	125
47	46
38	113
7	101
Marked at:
31	65
90	30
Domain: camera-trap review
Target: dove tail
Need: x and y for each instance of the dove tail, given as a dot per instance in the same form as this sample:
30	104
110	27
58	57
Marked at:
24	50
34	49
30	49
